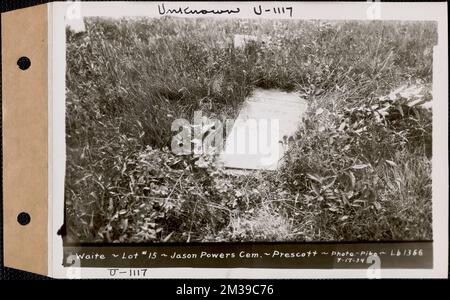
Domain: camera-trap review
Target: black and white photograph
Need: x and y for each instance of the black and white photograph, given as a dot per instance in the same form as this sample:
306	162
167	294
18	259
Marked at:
255	141
224	130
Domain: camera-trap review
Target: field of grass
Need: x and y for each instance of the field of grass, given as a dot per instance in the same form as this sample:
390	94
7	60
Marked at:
359	168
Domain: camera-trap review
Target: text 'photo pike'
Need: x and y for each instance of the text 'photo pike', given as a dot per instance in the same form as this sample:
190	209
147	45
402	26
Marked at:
225	130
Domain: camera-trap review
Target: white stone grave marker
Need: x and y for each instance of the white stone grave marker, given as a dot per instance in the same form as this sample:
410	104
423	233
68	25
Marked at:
254	141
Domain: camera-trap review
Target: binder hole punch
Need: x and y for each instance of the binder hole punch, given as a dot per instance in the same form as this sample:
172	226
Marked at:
24	63
23	218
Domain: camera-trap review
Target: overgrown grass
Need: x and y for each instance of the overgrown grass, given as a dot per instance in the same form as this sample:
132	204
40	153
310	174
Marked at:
359	168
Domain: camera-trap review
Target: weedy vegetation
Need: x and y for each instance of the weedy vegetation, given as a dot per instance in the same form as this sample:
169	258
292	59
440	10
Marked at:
359	167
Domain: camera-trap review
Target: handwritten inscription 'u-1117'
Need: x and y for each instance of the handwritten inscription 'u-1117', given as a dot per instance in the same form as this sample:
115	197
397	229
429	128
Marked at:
259	10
